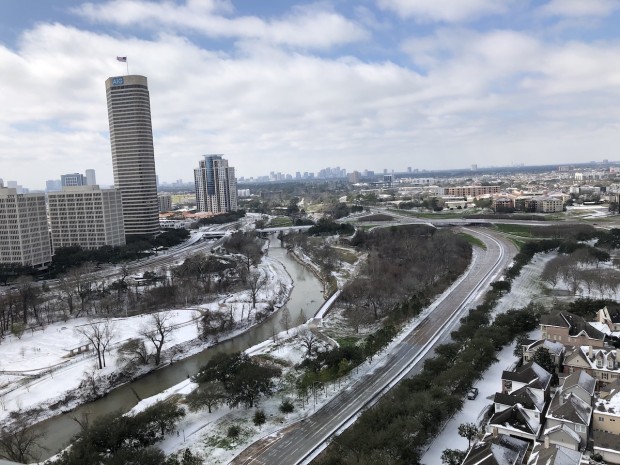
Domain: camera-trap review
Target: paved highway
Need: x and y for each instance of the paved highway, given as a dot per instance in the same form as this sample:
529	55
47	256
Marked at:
301	442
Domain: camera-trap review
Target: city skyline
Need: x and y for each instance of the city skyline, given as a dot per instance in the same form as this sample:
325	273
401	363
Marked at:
428	85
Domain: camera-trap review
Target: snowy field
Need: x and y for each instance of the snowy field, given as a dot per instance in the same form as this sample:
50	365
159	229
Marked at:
39	371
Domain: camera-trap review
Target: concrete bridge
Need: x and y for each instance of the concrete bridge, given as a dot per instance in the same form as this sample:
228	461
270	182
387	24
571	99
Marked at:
283	228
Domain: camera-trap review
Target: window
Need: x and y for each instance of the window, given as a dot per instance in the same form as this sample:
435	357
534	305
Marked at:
580	428
601	418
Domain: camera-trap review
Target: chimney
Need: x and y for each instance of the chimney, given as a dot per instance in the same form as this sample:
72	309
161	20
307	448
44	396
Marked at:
590	353
495	432
546	442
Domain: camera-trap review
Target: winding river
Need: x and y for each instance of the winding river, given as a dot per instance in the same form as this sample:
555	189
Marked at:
307	295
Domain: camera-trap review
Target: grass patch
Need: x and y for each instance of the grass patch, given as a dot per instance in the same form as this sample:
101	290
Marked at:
224	442
474	241
520	230
346	256
280	222
348	341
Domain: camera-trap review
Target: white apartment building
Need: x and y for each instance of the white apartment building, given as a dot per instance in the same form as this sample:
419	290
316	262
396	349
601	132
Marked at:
24	235
86	216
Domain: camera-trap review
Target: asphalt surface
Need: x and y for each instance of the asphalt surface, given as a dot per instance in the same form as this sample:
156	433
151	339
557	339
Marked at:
301	442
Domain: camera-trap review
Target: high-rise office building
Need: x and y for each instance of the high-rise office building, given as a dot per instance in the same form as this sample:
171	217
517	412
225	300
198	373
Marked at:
91	178
24	237
73	179
86	216
133	157
216	185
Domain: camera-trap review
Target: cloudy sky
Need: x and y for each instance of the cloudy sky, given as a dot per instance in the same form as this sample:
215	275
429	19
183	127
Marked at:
288	86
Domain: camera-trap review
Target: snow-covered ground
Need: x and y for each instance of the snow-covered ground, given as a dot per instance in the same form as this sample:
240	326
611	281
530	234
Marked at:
38	371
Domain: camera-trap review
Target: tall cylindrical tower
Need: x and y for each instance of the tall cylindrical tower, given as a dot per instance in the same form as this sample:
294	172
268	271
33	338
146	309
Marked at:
133	157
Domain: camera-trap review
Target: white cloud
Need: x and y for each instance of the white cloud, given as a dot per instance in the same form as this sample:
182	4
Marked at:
579	8
500	95
451	11
310	26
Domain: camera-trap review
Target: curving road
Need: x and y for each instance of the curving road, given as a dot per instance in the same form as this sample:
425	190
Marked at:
301	442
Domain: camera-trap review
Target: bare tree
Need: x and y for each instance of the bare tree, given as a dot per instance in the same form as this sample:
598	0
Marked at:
18	442
134	350
255	281
99	334
302	318
550	273
157	331
83	278
285	319
309	340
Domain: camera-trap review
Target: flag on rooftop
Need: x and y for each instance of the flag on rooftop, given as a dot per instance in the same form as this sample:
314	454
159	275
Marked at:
123	59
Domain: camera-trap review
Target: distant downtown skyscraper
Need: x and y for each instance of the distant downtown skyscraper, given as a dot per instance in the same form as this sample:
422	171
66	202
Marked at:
216	185
133	157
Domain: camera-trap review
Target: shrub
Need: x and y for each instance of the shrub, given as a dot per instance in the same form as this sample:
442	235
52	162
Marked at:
233	431
286	406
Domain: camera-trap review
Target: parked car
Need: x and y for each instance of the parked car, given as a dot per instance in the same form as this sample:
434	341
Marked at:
472	394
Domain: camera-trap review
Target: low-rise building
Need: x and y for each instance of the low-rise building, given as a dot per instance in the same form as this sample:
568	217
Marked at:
603	364
530	375
569	329
568	420
471	191
555	350
498	449
545	453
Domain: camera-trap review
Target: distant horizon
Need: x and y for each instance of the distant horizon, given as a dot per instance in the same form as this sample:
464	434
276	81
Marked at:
378	173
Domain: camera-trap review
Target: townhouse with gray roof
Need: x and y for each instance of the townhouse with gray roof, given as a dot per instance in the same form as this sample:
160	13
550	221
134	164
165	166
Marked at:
603	364
497	449
545	453
530	375
570	329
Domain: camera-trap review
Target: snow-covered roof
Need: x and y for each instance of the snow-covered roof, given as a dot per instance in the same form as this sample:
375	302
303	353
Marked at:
602	327
575	324
564	429
581	379
554	455
533	399
518	419
609	405
608	357
531	374
498	450
553	347
569	407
